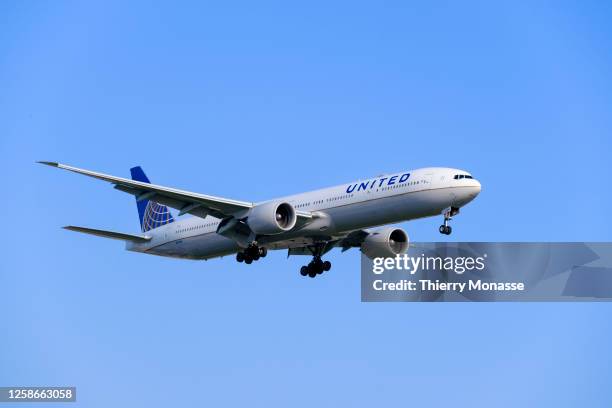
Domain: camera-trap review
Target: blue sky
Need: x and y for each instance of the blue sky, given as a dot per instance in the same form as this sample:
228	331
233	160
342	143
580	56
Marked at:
256	100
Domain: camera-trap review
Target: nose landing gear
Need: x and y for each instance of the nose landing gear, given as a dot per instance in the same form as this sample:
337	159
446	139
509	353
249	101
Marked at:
448	214
445	229
251	253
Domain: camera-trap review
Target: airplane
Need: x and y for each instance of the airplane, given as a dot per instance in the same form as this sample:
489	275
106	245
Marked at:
310	223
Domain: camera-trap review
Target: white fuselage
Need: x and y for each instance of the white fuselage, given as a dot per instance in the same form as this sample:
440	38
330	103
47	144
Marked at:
362	204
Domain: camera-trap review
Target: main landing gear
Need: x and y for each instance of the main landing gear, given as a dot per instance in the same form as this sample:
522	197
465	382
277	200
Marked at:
251	253
448	214
317	266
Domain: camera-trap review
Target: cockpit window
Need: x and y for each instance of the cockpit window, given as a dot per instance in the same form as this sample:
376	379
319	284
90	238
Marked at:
462	176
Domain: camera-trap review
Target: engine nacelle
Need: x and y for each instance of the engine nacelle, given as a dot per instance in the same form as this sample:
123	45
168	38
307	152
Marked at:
385	243
271	218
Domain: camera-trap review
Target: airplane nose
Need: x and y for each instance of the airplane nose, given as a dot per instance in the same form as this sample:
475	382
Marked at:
477	188
474	190
467	190
470	192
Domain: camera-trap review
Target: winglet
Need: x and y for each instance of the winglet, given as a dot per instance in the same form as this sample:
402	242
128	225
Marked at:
48	163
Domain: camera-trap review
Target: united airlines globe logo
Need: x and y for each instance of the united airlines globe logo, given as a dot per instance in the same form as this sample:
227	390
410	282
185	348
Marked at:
155	216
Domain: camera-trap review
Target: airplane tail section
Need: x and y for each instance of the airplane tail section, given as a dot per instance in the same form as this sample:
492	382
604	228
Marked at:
150	213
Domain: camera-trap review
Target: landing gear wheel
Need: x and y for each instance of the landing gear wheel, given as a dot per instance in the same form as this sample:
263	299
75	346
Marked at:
251	253
311	272
304	270
326	266
316	265
445	229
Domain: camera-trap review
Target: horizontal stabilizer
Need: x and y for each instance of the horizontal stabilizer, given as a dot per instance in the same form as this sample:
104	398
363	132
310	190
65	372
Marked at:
110	234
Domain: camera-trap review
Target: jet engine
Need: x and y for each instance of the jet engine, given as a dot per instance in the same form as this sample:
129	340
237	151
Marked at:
385	243
271	218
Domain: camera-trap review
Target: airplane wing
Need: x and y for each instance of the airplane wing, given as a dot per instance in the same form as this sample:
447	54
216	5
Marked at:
350	240
110	234
186	202
354	239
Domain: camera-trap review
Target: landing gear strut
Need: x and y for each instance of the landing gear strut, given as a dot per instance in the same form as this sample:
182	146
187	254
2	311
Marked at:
448	214
251	253
317	266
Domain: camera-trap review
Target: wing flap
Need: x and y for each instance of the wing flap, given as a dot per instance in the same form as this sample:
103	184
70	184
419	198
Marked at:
110	234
